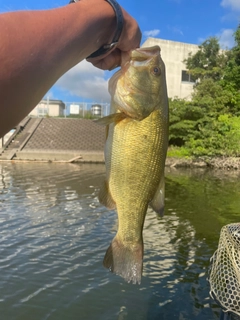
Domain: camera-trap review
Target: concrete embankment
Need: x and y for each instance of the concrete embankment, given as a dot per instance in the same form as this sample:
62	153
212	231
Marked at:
56	139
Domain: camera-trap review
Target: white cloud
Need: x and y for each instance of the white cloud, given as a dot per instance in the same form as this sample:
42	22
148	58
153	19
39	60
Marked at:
226	38
151	33
86	81
230	16
175	30
233	4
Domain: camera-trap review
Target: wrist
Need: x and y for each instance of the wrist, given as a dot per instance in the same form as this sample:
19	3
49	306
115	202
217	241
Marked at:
118	30
119	27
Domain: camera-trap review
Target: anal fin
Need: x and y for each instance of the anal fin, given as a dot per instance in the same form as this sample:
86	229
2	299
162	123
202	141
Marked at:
157	202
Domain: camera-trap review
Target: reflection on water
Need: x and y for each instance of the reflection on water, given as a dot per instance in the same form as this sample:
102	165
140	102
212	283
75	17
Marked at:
54	233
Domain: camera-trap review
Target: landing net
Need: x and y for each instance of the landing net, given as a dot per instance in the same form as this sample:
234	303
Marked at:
224	274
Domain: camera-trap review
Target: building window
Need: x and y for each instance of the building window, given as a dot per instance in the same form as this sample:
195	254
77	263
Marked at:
186	77
42	111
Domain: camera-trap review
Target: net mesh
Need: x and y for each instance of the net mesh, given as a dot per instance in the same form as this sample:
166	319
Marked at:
224	274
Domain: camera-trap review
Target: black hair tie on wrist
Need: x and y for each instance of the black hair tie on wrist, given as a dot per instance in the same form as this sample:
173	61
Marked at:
107	47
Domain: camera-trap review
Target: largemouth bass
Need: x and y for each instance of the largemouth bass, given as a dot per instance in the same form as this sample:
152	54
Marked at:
135	152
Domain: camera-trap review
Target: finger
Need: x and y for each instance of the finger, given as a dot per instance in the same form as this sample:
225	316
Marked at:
125	57
107	62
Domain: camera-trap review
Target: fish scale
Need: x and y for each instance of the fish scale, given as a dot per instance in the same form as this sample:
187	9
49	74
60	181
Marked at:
132	152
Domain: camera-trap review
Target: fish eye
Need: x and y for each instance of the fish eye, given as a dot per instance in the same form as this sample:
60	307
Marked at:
156	71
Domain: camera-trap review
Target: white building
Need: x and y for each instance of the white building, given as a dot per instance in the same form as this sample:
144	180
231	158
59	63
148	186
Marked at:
179	83
52	108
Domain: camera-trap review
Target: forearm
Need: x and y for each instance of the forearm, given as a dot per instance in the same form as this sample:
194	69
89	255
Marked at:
37	47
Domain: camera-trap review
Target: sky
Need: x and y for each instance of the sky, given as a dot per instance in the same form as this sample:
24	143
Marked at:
189	21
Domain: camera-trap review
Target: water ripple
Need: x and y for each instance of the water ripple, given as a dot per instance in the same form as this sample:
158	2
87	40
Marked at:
54	234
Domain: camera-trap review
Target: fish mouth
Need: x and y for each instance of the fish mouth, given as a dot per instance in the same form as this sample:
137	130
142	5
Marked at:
145	53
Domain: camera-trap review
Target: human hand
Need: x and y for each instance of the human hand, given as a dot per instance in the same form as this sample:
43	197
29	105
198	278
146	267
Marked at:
129	40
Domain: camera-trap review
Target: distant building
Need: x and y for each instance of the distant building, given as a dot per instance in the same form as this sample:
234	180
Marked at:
179	82
52	108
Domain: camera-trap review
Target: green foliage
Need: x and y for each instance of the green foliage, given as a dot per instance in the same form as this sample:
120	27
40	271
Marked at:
232	70
183	121
236	49
211	137
209	124
221	138
208	62
176	152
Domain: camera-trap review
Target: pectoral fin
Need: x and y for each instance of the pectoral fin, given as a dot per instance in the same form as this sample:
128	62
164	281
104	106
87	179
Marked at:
105	197
114	117
157	202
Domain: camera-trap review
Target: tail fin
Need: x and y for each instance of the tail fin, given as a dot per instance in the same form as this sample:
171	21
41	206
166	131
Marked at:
125	261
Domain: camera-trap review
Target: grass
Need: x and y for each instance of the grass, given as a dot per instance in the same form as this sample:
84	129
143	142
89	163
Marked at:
177	152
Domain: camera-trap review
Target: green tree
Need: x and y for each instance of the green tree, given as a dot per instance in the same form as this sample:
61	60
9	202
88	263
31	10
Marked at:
236	49
210	124
232	70
183	123
208	62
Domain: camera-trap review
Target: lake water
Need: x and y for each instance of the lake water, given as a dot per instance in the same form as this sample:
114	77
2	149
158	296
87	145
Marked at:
54	233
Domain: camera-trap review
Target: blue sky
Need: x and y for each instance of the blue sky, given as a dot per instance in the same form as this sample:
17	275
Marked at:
190	21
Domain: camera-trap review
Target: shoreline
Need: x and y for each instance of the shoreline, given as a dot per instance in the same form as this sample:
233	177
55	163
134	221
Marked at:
225	163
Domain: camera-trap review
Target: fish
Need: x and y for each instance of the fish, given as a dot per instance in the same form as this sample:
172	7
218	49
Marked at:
135	153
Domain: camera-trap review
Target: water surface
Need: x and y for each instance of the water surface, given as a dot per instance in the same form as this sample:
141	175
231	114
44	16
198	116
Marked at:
54	234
